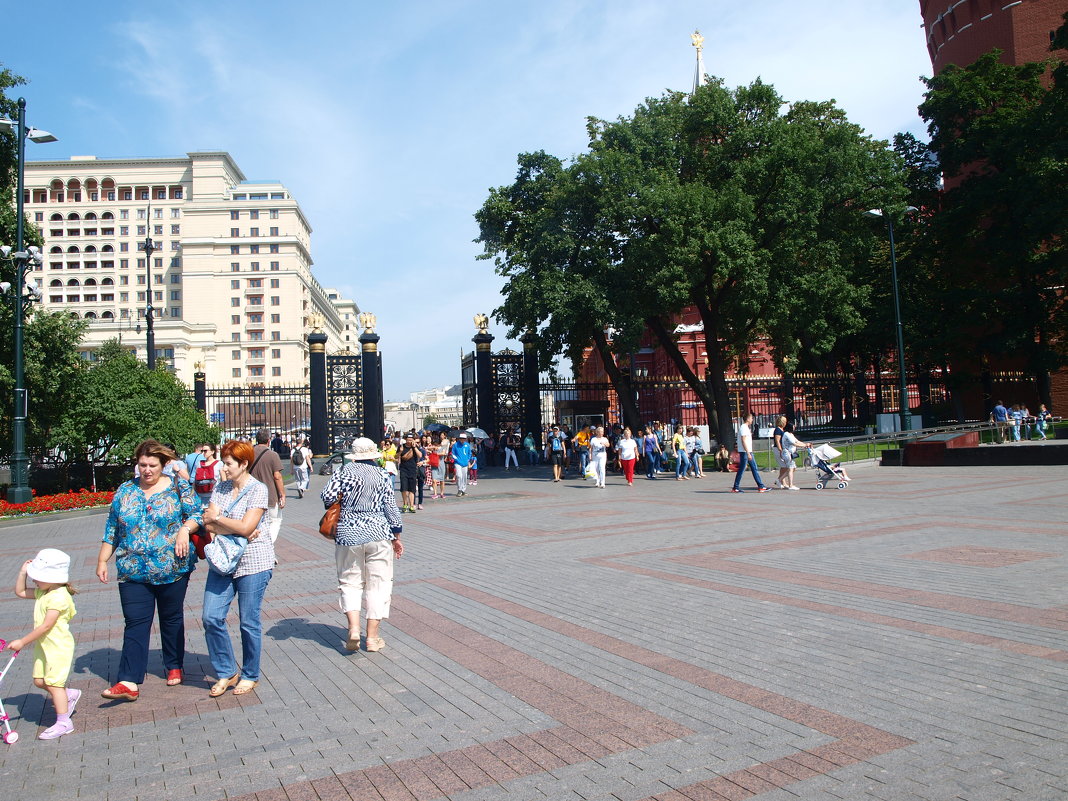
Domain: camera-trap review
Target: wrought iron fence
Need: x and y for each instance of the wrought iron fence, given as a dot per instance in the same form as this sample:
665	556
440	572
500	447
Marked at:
240	411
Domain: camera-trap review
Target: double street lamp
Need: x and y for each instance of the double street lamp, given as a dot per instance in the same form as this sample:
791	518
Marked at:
24	259
903	406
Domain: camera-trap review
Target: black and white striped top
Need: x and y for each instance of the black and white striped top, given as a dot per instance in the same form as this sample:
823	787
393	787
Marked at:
369	507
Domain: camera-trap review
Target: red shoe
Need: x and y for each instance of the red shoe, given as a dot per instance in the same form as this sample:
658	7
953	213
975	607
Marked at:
174	677
120	692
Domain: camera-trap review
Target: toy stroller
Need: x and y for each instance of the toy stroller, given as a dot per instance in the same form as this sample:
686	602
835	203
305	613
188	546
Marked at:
9	735
827	473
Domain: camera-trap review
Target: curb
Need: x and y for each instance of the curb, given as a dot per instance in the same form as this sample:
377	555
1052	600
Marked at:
45	517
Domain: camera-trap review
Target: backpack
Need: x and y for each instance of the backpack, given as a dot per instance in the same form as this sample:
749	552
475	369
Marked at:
557	444
298	457
204	478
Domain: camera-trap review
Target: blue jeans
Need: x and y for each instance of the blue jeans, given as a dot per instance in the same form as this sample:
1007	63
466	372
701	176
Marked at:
584	459
747	460
140	603
650	464
682	464
219	593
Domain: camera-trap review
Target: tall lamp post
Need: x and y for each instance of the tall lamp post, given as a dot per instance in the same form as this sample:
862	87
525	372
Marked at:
903	406
19	491
149	247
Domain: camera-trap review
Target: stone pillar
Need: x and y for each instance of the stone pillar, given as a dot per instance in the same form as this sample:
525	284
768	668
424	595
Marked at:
374	413
320	438
200	391
531	389
484	389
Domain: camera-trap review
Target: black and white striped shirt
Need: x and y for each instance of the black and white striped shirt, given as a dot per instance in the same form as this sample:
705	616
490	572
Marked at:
369	507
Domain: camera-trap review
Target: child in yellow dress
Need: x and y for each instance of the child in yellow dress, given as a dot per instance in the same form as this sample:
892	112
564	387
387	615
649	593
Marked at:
53	651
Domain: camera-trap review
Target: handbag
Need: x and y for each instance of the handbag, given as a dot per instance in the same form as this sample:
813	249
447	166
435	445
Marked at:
328	522
224	551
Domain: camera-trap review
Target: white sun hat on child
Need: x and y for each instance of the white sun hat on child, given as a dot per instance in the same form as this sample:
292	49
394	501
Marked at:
50	566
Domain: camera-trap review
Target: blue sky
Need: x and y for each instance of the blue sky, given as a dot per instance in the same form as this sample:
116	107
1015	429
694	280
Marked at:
389	122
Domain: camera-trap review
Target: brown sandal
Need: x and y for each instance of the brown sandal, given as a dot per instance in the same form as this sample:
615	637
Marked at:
222	685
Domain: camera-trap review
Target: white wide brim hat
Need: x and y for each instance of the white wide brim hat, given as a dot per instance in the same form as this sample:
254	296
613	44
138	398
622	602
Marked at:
50	566
363	448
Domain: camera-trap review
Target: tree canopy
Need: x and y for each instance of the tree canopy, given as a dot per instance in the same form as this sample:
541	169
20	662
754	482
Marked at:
1001	134
728	201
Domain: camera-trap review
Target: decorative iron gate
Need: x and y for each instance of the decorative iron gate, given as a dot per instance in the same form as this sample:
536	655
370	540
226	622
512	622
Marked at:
344	400
241	411
507	367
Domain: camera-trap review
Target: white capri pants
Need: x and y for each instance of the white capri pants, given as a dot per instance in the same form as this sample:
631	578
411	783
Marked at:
365	577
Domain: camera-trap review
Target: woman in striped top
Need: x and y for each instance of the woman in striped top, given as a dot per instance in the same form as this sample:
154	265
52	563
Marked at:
368	539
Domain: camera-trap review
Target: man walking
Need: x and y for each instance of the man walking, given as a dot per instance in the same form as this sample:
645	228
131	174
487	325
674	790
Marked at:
301	459
556	451
461	461
745	455
267	467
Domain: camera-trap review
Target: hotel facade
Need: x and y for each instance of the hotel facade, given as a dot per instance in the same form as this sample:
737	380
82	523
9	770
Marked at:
230	279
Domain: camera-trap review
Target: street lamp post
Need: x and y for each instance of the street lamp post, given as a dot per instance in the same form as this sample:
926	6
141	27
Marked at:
903	406
149	247
19	491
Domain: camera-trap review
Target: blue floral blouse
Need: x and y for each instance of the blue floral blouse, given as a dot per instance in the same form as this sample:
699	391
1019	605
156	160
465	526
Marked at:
143	528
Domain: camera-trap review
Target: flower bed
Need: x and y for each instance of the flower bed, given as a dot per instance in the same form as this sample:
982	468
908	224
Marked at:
56	503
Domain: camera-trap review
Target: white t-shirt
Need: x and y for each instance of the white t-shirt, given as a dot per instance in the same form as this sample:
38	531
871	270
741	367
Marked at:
307	454
598	445
745	438
628	449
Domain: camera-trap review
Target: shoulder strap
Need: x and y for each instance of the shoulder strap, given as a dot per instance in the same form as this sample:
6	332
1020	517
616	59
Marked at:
257	459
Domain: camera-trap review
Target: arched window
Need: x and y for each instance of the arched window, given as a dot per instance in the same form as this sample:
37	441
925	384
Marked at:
90	282
107	316
90	315
56	282
56	249
90	248
56	217
107	282
73	183
90	216
74	315
74	216
73	249
107	249
73	282
107	215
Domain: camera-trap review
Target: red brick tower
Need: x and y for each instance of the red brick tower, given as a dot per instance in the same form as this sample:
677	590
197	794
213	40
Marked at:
959	31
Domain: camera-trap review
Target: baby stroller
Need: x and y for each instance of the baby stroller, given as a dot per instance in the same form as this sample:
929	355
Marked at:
827	473
10	736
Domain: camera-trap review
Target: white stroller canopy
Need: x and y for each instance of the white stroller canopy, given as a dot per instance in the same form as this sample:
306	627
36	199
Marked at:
825	452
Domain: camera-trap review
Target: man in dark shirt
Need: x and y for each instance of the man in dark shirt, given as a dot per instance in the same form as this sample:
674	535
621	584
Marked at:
267	467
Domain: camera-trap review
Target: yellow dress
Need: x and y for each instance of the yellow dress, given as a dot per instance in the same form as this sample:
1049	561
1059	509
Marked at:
53	654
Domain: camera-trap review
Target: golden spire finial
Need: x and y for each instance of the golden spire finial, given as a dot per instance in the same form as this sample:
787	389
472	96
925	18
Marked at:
698	40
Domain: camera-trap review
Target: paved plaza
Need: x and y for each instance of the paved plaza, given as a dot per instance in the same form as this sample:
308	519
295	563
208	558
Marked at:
905	638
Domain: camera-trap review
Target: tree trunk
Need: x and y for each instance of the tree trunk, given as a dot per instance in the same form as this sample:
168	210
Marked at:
622	385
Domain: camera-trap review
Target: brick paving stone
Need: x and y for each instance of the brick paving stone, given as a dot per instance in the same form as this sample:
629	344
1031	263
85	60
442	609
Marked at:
906	638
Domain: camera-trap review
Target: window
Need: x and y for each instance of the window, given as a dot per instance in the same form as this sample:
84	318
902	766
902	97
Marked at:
278	195
157	214
274	265
255	300
235	301
141	230
159	276
235	232
161	194
256	353
141	278
235	284
143	194
176	311
255	336
235	266
176	230
94	196
241	197
253	214
253	249
124	280
176	246
255	282
176	294
141	297
176	213
276	300
276	336
111	195
276	371
255	317
236	372
235	337
274	230
235	215
276	353
124	247
235	250
38	216
274	214
276	318
140	214
127	195
255	372
255	266
157	295
253	231
235	355
157	230
177	193
235	319
124	214
274	283
274	248
175	278
90	298
107	296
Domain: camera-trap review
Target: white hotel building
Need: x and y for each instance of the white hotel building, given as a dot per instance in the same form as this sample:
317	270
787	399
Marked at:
231	279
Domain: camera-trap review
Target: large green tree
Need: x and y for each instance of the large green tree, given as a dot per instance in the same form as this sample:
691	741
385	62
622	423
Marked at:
726	201
1001	135
121	402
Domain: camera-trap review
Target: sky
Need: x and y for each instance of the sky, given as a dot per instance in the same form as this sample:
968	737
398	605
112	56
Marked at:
390	122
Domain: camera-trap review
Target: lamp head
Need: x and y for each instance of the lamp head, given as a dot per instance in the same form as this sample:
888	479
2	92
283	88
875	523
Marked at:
39	136
5	250
5	286
6	125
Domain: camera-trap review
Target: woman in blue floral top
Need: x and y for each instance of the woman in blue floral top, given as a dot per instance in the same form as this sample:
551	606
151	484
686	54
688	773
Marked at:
152	518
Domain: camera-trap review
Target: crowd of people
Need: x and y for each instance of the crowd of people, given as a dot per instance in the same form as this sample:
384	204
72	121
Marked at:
1016	423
